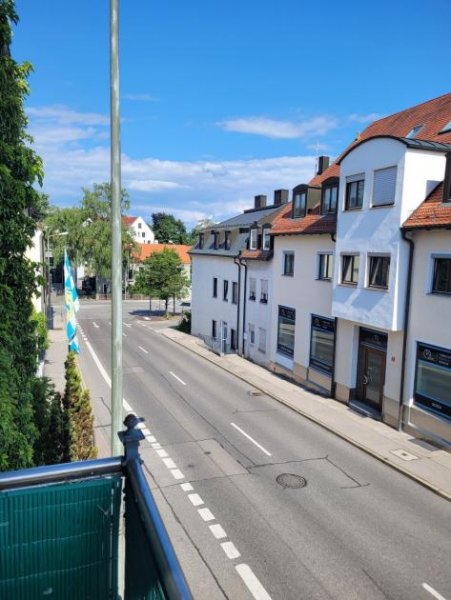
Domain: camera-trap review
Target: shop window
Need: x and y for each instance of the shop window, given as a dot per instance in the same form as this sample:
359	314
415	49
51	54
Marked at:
433	379
285	330
322	343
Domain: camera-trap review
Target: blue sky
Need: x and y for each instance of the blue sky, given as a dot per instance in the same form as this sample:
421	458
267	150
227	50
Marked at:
220	101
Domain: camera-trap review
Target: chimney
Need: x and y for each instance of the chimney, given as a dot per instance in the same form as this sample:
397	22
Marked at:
280	197
323	163
260	201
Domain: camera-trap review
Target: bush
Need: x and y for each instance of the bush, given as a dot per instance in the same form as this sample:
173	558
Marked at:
185	322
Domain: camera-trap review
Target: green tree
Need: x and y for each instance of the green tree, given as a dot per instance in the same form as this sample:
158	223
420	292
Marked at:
78	413
20	206
89	230
162	276
169	230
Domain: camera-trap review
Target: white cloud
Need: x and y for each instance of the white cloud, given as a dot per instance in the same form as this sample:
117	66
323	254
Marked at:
64	115
152	185
141	98
276	129
364	118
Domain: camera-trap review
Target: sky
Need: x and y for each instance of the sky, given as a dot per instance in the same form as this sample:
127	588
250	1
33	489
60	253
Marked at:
220	101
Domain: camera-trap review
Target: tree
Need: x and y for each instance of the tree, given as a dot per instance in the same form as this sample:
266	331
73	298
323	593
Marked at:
169	230
89	229
20	206
162	276
78	414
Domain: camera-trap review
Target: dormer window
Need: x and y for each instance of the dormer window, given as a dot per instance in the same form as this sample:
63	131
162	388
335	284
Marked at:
447	180
266	237
329	196
414	131
201	241
253	238
299	201
227	240
446	128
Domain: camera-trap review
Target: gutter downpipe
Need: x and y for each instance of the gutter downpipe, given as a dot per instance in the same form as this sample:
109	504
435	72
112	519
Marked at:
243	263
237	258
406	326
334	383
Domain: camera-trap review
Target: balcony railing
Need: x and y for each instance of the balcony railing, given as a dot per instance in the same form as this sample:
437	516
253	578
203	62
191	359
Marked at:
60	529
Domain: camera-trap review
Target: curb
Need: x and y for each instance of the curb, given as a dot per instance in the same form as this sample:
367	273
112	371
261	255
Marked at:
343	436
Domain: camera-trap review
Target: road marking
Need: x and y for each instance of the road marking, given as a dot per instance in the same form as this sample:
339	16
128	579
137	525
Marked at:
162	453
169	463
146	431
124	334
217	531
178	378
230	549
126	324
252	583
195	499
186	487
143	349
126	405
152	440
251	439
433	592
206	514
177	474
99	365
95	324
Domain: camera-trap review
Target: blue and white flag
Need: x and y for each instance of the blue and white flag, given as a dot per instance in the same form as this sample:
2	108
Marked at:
72	305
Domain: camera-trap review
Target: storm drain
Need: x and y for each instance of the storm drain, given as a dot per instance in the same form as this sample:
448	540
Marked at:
290	480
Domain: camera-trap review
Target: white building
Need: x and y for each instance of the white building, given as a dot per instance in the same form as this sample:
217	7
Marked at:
140	231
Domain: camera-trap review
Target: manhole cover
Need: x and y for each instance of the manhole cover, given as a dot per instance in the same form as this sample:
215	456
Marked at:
292	481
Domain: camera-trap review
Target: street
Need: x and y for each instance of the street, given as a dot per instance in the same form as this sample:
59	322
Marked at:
259	502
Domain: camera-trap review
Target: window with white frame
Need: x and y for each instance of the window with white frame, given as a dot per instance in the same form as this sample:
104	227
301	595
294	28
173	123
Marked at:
262	340
325	266
441	277
384	187
378	271
264	291
253	239
354	191
252	288
288	264
251	333
350	269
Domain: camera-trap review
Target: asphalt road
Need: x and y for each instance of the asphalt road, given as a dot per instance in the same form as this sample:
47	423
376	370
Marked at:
261	503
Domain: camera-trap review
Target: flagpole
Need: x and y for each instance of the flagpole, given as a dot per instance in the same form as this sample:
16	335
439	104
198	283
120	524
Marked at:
116	264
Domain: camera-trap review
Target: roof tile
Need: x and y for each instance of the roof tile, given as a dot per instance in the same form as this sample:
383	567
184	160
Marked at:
432	213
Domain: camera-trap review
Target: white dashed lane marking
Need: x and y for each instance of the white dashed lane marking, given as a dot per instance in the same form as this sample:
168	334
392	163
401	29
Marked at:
176	377
230	550
217	531
169	463
143	349
251	439
252	583
195	499
186	487
206	514
95	325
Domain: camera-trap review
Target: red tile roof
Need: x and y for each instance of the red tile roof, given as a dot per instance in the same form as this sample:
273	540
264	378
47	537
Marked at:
332	171
432	213
128	220
145	250
312	224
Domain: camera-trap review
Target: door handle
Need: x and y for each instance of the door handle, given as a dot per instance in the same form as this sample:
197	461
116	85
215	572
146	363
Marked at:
365	380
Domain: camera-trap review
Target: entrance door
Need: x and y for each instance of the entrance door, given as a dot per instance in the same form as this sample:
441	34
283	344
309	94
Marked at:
371	376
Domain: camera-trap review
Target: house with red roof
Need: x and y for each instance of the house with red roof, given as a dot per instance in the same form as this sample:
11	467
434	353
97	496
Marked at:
141	232
143	251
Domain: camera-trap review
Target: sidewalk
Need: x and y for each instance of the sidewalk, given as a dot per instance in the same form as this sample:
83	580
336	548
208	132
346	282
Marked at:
429	466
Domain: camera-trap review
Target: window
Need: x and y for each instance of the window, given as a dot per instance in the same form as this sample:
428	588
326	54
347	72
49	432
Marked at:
384	186
326	266
350	269
139	225
262	340
252	288
354	191
215	287
322	343
433	379
214	329
233	339
447	179
201	241
253	239
264	291
215	239
227	236
441	281
234	292
285	330
378	271
225	293
299	204
288	263
143	234
413	132
251	332
446	128
266	238
329	197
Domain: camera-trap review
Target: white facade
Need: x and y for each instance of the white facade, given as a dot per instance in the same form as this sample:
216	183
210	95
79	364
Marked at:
429	324
35	253
141	232
258	311
308	295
